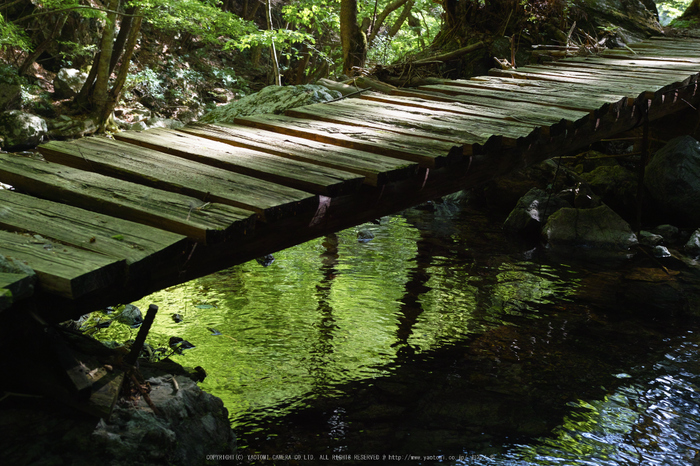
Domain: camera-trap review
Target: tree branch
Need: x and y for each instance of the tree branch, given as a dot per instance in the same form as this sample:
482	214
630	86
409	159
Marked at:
76	7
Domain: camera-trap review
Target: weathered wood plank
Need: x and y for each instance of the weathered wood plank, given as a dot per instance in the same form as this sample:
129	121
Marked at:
429	153
505	99
15	287
611	75
377	169
61	269
639	66
152	168
189	216
295	174
460	129
643	55
143	247
630	89
545	116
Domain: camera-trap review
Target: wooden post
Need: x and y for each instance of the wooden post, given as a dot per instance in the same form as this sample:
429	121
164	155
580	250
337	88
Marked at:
141	337
642	162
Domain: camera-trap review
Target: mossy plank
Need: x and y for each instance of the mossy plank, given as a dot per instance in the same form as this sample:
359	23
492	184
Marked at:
376	169
507	98
544	116
460	129
630	88
61	269
140	245
296	174
427	152
159	170
612	75
15	287
662	67
177	213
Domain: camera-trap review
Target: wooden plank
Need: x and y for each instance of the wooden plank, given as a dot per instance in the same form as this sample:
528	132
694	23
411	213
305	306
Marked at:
376	169
505	99
61	269
152	168
644	55
143	247
630	89
612	75
643	65
287	172
189	216
545	116
460	129
15	287
428	153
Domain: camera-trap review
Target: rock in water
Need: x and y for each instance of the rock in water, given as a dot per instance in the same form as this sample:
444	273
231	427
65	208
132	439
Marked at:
272	99
131	316
589	229
673	180
532	211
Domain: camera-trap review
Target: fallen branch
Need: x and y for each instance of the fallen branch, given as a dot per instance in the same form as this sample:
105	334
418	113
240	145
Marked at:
450	55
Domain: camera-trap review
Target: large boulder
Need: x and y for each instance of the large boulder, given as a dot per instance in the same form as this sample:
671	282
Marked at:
272	99
68	83
616	186
598	229
673	180
532	211
627	20
21	130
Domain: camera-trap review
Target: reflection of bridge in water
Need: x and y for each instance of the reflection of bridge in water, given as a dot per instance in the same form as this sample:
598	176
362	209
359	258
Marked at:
105	221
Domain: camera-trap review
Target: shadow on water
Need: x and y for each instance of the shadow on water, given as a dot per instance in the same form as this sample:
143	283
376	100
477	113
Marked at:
439	341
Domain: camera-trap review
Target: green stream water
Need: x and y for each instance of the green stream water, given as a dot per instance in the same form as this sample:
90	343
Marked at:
438	341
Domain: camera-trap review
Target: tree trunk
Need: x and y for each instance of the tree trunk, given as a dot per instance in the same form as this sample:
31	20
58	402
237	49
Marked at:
692	10
352	39
405	13
273	51
124	32
105	115
99	93
391	7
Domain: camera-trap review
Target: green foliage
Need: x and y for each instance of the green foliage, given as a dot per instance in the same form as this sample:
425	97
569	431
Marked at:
8	75
202	18
13	36
70	50
670	10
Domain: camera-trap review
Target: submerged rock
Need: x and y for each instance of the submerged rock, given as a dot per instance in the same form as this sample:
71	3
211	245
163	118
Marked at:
272	99
532	211
589	229
673	180
131	316
21	130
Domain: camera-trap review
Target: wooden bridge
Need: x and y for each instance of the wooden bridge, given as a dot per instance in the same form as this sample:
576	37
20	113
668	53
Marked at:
103	221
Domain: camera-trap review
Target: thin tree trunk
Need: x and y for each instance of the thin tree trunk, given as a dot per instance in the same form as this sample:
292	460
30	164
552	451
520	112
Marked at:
99	93
105	114
273	52
124	32
390	8
405	13
352	39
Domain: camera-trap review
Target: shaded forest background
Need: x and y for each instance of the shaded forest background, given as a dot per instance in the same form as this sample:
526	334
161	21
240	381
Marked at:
179	57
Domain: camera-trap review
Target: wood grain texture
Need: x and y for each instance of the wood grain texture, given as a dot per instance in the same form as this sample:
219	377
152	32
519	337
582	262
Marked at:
156	169
177	213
